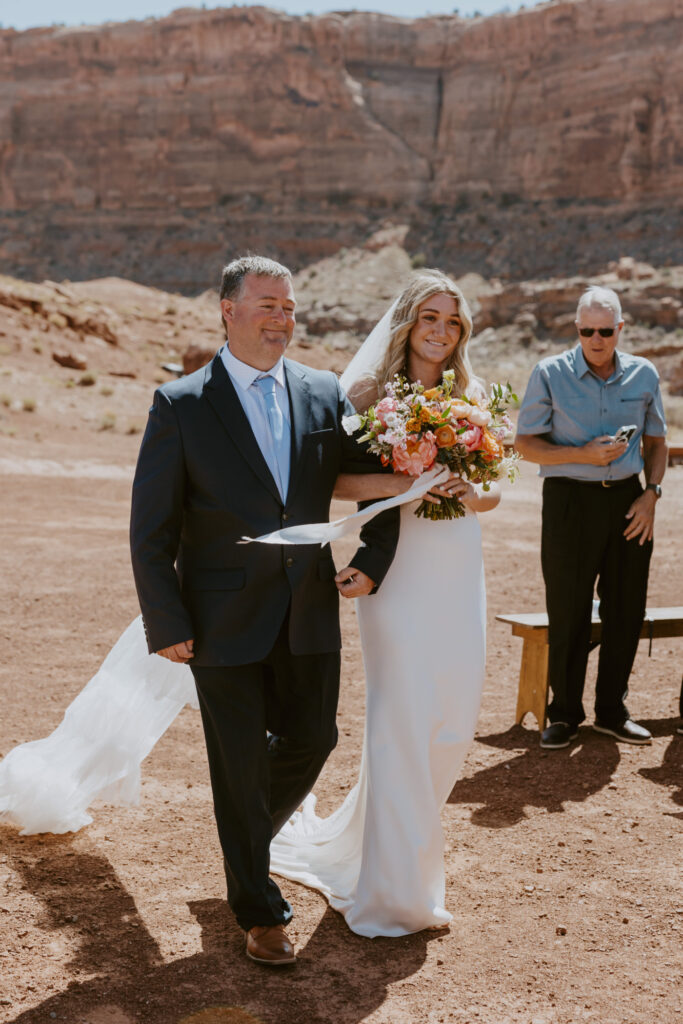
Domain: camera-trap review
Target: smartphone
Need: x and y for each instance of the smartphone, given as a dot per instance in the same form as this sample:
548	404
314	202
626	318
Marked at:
625	433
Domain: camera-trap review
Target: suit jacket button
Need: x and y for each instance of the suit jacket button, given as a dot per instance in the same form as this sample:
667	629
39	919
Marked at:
285	517
289	562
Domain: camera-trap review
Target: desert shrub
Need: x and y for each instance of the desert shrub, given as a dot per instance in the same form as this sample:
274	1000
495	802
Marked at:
108	421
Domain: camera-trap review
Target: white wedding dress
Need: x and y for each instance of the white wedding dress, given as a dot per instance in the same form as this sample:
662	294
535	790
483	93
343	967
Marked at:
379	858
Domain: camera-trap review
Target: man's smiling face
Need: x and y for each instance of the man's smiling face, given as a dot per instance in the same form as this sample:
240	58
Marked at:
260	320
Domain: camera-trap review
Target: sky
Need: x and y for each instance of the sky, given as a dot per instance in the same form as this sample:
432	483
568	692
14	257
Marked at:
21	14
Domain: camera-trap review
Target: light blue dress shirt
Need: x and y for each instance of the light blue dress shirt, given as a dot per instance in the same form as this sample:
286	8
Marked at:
243	376
570	404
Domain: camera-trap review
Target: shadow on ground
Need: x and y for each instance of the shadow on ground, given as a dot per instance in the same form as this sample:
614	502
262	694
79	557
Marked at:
535	777
338	972
670	772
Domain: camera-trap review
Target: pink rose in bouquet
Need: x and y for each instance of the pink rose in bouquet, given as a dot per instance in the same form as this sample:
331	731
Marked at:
416	454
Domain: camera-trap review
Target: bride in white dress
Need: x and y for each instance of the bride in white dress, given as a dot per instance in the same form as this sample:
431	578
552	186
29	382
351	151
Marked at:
379	859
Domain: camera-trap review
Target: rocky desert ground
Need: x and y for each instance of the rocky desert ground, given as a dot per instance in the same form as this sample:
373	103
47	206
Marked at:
563	868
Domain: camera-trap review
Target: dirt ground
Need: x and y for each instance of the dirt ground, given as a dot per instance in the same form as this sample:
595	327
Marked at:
563	867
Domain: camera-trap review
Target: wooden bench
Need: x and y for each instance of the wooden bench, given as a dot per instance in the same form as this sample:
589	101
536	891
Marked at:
675	454
532	694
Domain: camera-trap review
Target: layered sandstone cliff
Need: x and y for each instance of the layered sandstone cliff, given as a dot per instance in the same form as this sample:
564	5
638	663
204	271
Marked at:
177	140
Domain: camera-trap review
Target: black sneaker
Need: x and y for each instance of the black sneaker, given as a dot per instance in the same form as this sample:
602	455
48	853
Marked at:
629	732
558	735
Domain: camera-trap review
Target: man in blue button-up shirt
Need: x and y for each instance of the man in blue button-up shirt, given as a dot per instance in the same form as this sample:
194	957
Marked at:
598	520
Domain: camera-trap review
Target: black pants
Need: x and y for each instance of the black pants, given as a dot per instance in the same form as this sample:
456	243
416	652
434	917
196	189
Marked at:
582	541
258	785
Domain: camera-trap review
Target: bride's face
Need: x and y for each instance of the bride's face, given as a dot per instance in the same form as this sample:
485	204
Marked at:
437	331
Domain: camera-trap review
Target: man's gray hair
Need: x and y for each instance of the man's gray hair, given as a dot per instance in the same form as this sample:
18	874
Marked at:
604	298
236	271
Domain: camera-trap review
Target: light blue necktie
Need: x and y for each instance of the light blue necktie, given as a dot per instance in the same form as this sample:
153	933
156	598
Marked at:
280	433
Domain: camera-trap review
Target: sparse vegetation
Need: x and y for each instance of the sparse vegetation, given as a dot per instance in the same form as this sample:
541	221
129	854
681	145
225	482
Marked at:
108	421
106	390
28	404
5	399
88	379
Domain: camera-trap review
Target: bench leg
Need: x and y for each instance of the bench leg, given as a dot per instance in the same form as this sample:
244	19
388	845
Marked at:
532	694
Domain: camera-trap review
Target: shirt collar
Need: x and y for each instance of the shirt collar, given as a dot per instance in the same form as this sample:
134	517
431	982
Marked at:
581	367
245	375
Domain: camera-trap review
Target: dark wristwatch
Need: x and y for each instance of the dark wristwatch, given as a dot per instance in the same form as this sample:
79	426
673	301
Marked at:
654	487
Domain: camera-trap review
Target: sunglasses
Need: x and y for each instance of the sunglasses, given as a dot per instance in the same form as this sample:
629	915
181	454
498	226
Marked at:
604	332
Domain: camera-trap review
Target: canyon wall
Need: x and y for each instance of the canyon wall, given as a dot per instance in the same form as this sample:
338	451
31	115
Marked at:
154	149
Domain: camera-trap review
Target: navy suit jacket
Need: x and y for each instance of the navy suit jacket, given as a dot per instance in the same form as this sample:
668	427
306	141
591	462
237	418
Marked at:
201	484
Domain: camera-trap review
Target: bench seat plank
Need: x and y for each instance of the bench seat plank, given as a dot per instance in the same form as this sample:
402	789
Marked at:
532	694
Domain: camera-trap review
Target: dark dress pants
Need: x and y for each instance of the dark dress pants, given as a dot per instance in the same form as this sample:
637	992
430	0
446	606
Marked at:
582	540
257	785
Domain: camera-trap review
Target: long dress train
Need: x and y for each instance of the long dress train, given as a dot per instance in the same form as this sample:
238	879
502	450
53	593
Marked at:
96	751
379	858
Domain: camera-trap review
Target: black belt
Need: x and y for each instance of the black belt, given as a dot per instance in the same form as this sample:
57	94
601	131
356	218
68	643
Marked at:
624	482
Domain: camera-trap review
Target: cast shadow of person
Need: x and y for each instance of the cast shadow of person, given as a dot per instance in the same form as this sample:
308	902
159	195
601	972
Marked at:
670	772
126	980
534	777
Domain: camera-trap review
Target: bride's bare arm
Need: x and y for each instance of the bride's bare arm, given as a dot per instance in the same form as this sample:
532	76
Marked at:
371	486
474	497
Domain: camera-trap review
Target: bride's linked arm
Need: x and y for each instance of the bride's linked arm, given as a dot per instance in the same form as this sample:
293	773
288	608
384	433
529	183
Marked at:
379	537
369	486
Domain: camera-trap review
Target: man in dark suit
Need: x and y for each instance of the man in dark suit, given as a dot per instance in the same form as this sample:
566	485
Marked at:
244	446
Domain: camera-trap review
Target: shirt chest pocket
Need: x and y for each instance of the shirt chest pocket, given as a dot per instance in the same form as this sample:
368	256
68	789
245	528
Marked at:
632	411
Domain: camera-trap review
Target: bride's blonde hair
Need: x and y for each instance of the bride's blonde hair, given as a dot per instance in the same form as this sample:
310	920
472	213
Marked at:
425	284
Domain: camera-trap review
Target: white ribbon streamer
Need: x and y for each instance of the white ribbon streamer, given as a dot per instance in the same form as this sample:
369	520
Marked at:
323	533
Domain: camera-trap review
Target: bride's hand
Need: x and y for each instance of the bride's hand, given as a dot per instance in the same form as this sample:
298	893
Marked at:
461	489
454	486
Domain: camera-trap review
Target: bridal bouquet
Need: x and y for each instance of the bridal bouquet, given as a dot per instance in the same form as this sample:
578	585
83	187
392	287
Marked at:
413	430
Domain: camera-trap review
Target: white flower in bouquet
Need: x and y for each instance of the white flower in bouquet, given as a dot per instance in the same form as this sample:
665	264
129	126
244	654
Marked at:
461	410
480	417
352	423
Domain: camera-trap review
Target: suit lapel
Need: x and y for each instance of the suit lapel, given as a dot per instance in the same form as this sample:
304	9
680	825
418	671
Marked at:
220	392
300	408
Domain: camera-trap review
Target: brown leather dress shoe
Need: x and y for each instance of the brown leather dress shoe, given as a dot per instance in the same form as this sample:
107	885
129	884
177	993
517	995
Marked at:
268	944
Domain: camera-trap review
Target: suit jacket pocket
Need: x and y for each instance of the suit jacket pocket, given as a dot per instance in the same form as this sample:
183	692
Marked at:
215	579
321	435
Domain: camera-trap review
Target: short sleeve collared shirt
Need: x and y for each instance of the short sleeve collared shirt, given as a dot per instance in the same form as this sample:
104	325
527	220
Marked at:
571	405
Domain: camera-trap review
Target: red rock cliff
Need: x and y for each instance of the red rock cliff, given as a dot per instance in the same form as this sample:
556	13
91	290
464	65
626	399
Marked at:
296	129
